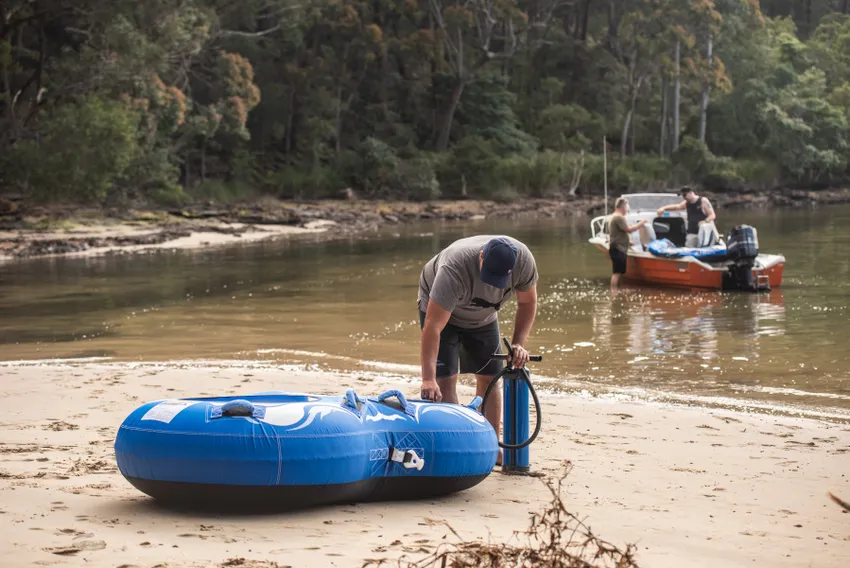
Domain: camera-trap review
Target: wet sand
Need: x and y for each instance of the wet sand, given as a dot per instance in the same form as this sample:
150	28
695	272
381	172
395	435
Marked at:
691	487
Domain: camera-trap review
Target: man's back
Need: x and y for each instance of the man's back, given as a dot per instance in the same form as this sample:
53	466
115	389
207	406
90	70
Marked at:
618	236
452	279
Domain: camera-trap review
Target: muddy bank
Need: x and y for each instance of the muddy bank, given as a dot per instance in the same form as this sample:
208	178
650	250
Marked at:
33	231
42	231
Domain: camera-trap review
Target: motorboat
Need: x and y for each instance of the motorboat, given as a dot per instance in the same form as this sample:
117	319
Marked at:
658	254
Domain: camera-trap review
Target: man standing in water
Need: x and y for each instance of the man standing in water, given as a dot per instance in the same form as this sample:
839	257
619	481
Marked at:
461	290
619	241
700	212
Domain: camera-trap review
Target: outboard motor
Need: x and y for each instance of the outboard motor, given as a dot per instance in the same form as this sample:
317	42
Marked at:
742	248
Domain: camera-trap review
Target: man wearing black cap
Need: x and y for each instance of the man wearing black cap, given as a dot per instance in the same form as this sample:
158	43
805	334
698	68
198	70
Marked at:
461	291
700	212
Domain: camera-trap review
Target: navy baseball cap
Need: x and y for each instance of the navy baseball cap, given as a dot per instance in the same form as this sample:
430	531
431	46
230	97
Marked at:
499	259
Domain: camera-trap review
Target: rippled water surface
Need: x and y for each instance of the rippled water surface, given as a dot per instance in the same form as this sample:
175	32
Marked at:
352	304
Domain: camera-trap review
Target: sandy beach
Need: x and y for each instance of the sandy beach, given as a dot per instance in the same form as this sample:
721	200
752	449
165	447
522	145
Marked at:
688	486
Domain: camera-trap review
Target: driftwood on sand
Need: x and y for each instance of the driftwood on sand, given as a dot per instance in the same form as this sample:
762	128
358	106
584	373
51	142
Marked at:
556	538
843	504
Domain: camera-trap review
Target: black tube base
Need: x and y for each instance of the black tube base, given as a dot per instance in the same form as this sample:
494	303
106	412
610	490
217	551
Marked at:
293	497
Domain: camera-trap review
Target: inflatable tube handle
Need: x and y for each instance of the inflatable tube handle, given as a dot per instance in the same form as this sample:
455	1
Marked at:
409	459
238	407
408	408
475	404
352	401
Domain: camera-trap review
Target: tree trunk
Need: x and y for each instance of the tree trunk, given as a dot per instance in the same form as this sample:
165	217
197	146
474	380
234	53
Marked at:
676	91
585	21
633	96
808	18
582	21
287	148
338	120
703	107
624	137
665	86
448	117
613	29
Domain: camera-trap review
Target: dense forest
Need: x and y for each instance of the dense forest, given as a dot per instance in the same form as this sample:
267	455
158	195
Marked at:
119	101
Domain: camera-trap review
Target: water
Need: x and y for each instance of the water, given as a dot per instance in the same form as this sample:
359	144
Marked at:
352	305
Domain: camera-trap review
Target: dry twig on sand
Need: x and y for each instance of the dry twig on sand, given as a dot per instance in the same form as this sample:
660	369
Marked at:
555	539
843	504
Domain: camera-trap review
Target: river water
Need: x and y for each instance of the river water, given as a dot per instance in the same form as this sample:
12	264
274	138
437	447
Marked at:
352	305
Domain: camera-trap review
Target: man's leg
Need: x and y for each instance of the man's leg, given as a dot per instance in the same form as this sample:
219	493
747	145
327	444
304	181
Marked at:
618	266
447	360
692	240
477	347
448	387
493	411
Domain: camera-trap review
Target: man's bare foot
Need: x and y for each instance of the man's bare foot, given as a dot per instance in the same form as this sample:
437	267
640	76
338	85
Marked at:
499	459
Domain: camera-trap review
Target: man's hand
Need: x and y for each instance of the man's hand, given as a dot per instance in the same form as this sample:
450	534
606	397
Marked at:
643	222
660	212
519	357
431	391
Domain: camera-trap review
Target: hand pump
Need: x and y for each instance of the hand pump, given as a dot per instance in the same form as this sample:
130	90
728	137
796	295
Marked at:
516	385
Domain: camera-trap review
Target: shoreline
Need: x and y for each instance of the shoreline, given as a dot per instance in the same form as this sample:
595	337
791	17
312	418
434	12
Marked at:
690	486
74	232
91	232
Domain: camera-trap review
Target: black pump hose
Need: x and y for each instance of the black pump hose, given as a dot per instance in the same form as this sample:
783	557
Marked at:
524	376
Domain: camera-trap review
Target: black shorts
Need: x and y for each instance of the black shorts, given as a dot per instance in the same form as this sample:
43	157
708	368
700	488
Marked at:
618	260
473	347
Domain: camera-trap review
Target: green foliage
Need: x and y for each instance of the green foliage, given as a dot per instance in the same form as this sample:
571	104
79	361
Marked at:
104	135
487	111
569	127
694	156
201	99
471	169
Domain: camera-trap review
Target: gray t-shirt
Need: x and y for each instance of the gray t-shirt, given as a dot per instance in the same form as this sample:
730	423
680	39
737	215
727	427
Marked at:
453	280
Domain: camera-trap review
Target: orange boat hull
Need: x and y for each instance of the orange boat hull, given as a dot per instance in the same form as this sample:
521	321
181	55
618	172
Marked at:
678	273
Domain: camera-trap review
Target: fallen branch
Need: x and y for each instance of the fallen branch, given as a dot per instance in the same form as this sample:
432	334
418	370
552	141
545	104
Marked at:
556	538
843	504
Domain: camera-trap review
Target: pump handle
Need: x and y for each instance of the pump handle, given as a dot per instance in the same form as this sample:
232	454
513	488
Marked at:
506	356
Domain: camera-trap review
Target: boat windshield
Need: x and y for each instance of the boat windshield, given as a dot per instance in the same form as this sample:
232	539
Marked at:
642	202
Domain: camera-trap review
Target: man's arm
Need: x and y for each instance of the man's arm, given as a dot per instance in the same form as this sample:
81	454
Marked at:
678	207
636	226
708	210
436	318
525	313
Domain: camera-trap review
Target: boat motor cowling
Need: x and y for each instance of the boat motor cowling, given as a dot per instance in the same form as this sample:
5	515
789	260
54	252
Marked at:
742	248
742	243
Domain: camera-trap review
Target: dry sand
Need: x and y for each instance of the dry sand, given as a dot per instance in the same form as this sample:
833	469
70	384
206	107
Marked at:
692	487
204	236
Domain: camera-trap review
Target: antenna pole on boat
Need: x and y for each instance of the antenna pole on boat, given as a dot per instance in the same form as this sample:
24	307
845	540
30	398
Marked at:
605	169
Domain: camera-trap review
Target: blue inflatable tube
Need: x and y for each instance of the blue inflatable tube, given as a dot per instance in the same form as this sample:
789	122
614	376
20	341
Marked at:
287	450
665	248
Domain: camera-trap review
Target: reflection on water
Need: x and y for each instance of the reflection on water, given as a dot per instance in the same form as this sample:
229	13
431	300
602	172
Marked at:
356	300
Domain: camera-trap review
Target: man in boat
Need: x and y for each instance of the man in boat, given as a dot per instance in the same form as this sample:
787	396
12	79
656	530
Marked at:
619	240
461	290
700	216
